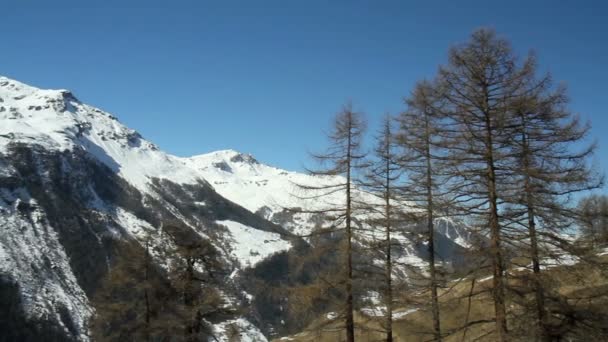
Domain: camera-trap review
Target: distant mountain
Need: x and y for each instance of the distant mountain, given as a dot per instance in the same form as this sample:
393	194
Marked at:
75	184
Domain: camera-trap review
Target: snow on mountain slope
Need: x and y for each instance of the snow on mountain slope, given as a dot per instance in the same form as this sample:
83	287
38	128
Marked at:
242	179
250	245
58	121
224	332
28	246
270	191
267	190
62	134
56	142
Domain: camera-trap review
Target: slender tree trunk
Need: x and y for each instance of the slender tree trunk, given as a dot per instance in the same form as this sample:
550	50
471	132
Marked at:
389	290
350	321
146	297
538	288
431	235
469	301
188	299
389	262
342	159
602	232
498	293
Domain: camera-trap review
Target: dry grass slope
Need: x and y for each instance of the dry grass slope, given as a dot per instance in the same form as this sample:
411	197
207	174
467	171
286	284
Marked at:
582	288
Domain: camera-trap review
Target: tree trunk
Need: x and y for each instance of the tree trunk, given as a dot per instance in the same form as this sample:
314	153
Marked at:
389	262
538	288
498	293
350	321
431	235
147	286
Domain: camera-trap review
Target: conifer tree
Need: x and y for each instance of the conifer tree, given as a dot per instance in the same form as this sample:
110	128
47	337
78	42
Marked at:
476	86
593	211
511	156
129	300
340	164
194	264
382	180
420	138
549	166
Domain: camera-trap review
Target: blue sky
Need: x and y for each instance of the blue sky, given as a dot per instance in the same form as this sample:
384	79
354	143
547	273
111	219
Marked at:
265	77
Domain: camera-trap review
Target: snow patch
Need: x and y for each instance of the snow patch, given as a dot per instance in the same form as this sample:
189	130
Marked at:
401	314
30	247
238	329
331	315
251	245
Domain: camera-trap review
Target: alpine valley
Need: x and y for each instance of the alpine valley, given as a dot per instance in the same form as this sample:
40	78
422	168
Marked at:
79	192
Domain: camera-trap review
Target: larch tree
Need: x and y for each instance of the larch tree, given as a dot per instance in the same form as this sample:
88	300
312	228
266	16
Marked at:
340	165
512	157
130	298
194	266
420	139
382	179
476	87
593	211
550	165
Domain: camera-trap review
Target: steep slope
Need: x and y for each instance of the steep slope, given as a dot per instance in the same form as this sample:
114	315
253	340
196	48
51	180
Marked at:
74	183
56	120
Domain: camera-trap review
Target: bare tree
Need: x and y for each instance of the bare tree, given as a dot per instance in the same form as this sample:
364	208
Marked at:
548	168
130	298
477	85
510	142
382	180
594	216
420	138
339	165
194	263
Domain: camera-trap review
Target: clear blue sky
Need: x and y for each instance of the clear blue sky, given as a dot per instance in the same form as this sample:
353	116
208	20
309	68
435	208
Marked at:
265	77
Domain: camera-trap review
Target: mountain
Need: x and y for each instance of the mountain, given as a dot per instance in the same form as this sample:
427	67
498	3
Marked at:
74	182
270	192
78	190
273	193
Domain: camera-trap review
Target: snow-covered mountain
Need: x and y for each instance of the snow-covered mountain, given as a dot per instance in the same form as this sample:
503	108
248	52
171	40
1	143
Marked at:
271	192
73	179
274	193
75	182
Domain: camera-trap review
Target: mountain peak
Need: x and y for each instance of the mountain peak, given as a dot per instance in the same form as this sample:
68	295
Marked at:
18	90
244	158
56	120
227	156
